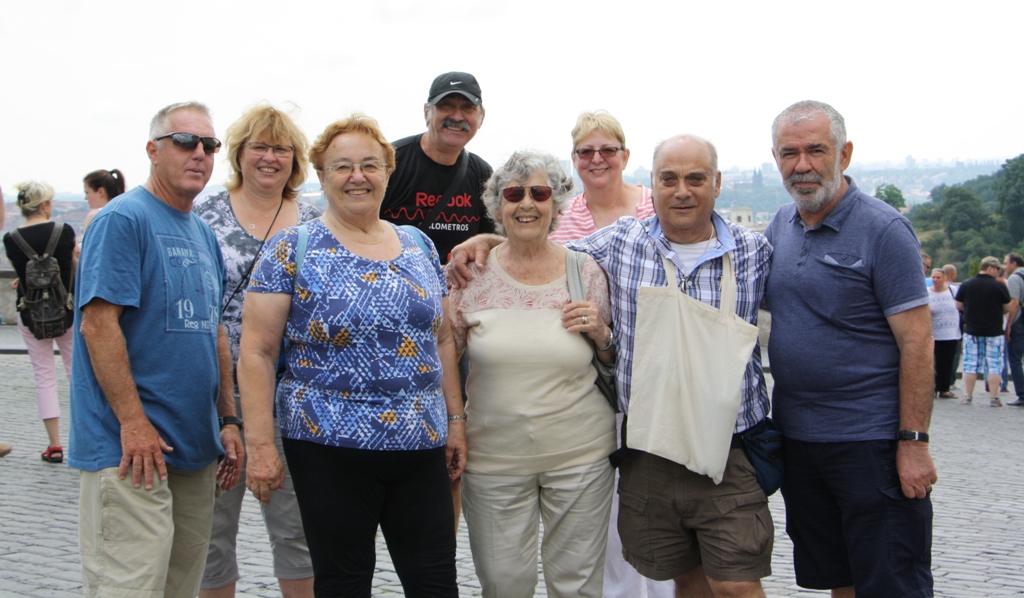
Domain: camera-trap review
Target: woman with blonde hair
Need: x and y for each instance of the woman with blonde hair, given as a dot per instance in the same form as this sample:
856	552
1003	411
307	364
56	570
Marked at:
600	156
266	155
35	200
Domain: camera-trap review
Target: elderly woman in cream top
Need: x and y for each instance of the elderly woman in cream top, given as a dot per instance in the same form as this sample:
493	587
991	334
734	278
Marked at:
539	429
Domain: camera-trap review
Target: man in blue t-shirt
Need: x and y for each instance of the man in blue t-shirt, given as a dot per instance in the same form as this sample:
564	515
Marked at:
851	355
151	373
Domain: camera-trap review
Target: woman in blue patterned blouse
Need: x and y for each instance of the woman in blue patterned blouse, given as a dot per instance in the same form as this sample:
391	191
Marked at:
369	406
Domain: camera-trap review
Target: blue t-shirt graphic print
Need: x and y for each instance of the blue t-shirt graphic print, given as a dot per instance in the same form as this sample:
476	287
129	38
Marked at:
191	286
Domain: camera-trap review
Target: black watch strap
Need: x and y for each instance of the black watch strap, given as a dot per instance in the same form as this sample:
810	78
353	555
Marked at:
912	435
230	419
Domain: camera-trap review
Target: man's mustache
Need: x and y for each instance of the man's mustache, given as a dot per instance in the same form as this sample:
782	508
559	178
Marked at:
455	124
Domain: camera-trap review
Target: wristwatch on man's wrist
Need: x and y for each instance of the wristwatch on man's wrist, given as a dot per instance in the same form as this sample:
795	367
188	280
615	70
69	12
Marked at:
912	435
227	420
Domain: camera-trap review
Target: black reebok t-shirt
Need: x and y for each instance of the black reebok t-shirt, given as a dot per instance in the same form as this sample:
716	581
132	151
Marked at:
418	184
983	298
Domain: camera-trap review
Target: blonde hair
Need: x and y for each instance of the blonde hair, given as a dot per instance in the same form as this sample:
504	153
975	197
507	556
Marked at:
31	197
263	120
599	120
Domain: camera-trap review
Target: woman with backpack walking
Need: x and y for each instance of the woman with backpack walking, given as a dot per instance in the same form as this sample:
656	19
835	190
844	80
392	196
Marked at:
38	233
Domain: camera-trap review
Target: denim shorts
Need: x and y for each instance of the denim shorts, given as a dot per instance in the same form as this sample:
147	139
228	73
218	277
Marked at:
850	523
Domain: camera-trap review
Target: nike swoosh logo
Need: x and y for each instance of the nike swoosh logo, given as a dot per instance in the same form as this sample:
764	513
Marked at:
454	82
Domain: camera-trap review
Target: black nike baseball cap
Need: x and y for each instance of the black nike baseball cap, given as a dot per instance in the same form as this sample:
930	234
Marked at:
456	82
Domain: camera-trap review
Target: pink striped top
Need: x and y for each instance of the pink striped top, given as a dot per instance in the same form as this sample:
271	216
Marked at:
577	221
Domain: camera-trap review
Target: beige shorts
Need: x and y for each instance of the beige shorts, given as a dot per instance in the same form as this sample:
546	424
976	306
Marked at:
138	542
671	520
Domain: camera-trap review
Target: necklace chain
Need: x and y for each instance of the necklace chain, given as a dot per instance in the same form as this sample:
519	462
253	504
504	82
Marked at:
259	215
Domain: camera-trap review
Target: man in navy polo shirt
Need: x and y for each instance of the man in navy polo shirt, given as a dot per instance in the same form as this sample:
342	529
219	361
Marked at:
851	355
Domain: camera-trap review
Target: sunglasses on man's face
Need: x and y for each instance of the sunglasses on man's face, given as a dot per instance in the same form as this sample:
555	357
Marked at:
189	141
516	194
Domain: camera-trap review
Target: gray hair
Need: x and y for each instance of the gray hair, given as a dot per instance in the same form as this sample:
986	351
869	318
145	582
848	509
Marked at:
712	150
808	109
518	169
31	197
158	126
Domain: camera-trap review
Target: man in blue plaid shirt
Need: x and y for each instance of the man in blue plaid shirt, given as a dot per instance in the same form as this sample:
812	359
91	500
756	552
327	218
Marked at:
720	538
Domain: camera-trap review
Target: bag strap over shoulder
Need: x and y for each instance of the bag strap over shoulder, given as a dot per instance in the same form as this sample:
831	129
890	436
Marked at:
300	247
460	173
51	244
406	141
418	235
574	261
23	244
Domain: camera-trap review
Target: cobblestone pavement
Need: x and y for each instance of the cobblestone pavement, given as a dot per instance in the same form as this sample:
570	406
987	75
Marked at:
978	532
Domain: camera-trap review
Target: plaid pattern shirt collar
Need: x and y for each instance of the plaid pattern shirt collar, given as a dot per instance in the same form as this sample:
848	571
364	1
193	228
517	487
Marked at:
630	252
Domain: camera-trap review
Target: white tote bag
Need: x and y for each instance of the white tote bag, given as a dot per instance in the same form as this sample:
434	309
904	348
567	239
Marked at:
688	364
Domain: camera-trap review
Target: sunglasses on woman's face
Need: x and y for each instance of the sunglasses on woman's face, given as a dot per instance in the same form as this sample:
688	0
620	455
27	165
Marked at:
189	141
516	194
587	153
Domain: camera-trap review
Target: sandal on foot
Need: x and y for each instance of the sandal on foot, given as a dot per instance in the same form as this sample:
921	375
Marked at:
53	454
966	400
946	395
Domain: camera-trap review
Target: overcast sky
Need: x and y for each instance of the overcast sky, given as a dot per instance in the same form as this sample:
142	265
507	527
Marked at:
936	80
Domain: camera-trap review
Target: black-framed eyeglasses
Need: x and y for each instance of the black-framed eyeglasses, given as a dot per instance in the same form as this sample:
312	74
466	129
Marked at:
189	141
346	169
281	151
517	194
606	152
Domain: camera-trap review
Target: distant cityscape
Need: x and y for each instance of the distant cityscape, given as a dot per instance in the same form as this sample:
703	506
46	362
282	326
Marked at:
753	193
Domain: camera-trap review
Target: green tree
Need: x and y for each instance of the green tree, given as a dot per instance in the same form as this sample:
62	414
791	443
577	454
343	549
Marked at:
1009	190
973	268
925	216
962	210
891	195
938	193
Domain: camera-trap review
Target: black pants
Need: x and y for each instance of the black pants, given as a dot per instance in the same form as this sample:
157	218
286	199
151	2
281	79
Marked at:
345	493
945	352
